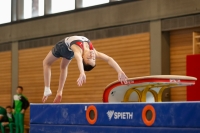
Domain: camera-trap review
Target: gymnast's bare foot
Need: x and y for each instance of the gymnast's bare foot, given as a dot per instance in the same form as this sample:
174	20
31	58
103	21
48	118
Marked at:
47	92
44	99
58	98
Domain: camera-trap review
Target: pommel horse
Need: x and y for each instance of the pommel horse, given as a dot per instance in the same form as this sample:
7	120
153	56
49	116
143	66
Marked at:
145	89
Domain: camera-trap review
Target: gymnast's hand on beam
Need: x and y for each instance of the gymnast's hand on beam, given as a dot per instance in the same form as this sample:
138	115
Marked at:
81	79
122	77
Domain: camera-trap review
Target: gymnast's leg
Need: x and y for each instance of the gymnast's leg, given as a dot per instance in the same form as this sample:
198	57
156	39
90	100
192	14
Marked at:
63	75
47	62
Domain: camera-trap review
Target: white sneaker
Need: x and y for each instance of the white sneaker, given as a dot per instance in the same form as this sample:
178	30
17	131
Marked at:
47	92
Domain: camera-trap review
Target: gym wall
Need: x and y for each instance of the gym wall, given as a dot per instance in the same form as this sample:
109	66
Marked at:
5	75
180	46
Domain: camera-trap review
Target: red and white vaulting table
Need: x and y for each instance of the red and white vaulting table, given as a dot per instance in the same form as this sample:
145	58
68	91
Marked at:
144	89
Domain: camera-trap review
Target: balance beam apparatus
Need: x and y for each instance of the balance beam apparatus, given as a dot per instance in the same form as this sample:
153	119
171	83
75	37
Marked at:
133	108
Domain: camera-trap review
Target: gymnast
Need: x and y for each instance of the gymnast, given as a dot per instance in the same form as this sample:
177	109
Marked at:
85	54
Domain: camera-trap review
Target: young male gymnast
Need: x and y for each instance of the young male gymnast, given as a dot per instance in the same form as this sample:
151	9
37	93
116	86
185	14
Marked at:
85	54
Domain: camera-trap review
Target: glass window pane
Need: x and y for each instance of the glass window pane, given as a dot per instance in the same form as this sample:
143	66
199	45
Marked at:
62	5
41	7
87	3
115	0
5	11
27	9
33	8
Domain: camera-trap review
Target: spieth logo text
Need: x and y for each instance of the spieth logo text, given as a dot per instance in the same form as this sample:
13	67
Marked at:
119	115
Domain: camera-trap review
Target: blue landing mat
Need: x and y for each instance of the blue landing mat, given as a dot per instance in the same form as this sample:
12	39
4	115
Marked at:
106	129
119	114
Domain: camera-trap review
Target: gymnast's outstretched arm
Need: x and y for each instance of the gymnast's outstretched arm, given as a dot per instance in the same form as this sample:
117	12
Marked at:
121	75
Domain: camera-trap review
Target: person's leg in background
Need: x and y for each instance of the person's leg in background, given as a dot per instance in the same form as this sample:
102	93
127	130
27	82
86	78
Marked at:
21	122
2	128
11	126
17	123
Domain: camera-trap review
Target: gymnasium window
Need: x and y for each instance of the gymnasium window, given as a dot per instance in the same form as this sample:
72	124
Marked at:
41	8
5	11
33	8
115	0
62	5
27	9
87	3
